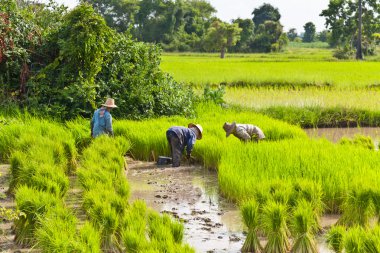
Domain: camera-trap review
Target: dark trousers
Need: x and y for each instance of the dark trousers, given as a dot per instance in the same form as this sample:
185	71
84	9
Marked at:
175	148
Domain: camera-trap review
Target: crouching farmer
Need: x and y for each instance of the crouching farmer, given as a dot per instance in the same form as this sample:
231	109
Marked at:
180	137
245	132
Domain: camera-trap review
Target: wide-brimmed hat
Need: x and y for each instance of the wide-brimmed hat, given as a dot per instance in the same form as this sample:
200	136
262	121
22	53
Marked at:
197	126
229	128
110	102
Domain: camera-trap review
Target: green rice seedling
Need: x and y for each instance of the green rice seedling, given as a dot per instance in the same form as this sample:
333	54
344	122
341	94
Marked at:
33	203
274	225
280	191
359	140
133	240
8	136
376	203
159	229
48	180
122	187
357	208
335	237
57	231
307	190
177	228
107	220
372	240
134	227
354	240
90	178
250	213
303	226
79	128
89	238
101	195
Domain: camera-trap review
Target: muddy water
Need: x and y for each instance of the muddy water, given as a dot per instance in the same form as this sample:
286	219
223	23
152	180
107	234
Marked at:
190	193
335	134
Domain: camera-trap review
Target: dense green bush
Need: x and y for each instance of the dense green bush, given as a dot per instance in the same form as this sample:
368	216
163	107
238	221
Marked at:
131	74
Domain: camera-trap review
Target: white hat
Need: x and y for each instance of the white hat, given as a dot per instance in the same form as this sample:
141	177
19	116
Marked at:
197	126
110	103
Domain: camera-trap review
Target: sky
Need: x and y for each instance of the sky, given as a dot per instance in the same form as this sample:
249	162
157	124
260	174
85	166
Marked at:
294	13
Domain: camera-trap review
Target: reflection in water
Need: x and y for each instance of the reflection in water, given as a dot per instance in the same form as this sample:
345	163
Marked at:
335	134
212	224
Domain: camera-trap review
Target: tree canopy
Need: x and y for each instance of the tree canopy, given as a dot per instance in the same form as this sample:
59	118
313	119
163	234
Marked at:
342	19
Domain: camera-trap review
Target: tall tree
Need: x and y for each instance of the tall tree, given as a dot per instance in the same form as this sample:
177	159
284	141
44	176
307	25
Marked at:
342	18
292	34
309	34
246	35
359	53
221	35
266	37
265	12
118	14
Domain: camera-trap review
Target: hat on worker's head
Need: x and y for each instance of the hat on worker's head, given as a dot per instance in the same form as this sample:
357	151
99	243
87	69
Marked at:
199	127
229	128
110	102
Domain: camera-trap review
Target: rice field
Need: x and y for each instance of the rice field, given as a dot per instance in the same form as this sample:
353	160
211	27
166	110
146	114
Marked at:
277	70
257	98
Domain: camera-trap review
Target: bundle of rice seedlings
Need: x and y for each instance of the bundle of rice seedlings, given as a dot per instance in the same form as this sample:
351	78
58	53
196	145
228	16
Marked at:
335	238
57	231
33	203
357	208
312	193
89	239
176	228
280	191
133	228
376	203
275	228
80	131
354	240
372	240
133	240
250	213
303	226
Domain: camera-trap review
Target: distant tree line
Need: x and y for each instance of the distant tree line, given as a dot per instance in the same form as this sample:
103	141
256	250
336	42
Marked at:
190	25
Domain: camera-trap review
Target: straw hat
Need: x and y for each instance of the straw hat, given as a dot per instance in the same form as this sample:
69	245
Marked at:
229	128
199	127
110	102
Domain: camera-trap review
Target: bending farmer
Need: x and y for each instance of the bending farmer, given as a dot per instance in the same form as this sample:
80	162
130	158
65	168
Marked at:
180	137
244	132
101	122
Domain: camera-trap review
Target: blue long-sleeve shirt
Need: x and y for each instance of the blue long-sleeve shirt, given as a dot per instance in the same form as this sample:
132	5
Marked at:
101	122
186	137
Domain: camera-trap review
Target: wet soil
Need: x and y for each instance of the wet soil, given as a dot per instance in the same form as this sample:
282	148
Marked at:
191	194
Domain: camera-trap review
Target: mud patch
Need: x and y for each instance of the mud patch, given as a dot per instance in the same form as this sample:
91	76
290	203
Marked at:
191	194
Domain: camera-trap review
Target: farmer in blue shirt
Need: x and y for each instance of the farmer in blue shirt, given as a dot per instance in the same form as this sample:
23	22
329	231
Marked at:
180	137
101	122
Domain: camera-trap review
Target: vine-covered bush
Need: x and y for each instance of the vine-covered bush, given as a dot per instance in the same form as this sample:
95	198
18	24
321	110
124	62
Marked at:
78	62
131	74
